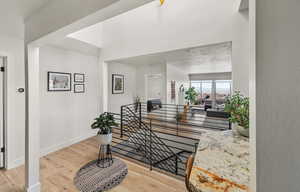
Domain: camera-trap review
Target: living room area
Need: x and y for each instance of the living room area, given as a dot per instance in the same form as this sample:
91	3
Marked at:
187	86
55	90
171	104
162	93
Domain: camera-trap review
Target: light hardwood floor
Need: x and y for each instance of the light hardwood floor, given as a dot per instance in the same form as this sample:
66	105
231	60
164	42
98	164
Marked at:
59	168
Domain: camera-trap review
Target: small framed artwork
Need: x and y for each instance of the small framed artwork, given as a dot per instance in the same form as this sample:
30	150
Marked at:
78	78
79	88
58	81
117	84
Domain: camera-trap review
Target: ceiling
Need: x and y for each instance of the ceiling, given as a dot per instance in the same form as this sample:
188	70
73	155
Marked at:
159	58
14	12
209	54
76	45
91	35
23	8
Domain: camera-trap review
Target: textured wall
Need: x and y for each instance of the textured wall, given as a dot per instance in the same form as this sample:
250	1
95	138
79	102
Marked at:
277	95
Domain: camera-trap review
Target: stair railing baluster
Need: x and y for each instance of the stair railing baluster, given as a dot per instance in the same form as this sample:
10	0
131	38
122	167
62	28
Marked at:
132	121
177	119
122	108
176	165
140	114
151	145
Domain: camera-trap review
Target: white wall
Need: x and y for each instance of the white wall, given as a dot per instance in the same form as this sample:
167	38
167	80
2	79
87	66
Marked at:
241	52
14	49
92	35
180	77
277	95
66	116
134	75
150	69
12	45
115	101
68	16
175	25
72	16
77	46
11	20
153	29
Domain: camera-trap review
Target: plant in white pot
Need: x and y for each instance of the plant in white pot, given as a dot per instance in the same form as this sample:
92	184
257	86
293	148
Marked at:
237	106
104	123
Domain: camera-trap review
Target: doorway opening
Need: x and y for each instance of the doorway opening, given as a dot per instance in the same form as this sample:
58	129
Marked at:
153	85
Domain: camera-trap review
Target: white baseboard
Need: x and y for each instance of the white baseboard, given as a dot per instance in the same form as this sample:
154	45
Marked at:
16	163
62	145
20	161
34	188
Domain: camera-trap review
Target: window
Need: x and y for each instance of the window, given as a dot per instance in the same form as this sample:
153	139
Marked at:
223	90
206	89
197	85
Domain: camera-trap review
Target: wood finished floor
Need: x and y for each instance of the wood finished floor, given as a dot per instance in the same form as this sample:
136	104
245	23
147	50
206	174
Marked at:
59	168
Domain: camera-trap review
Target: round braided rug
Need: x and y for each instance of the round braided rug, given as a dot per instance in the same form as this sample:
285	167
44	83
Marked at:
91	178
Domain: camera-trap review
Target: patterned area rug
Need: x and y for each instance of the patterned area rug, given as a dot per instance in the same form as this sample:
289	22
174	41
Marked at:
91	178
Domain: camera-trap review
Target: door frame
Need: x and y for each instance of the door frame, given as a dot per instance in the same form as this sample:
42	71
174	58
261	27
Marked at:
146	83
4	106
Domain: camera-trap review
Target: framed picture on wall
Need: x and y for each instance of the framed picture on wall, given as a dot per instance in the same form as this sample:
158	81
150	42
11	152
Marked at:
79	78
58	81
117	84
79	88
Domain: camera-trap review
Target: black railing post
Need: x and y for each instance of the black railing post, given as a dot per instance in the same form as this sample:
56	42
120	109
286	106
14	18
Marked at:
145	132
176	165
140	115
178	117
151	145
122	121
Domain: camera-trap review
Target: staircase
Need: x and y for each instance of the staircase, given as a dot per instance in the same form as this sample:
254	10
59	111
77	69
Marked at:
140	140
158	138
155	151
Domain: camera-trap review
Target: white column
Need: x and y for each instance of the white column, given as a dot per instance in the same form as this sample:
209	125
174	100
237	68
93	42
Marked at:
32	150
105	88
252	93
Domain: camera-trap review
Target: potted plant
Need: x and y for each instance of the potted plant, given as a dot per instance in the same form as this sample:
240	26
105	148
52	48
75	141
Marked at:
191	95
237	106
104	123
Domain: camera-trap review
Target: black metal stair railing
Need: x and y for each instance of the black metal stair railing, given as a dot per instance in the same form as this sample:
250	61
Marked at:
157	138
148	142
136	140
167	116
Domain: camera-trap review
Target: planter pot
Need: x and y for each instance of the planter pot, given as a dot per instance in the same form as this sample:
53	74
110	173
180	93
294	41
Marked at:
242	131
104	139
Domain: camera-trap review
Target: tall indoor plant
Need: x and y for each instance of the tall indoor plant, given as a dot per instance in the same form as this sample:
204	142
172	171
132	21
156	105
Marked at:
104	123
238	107
191	95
